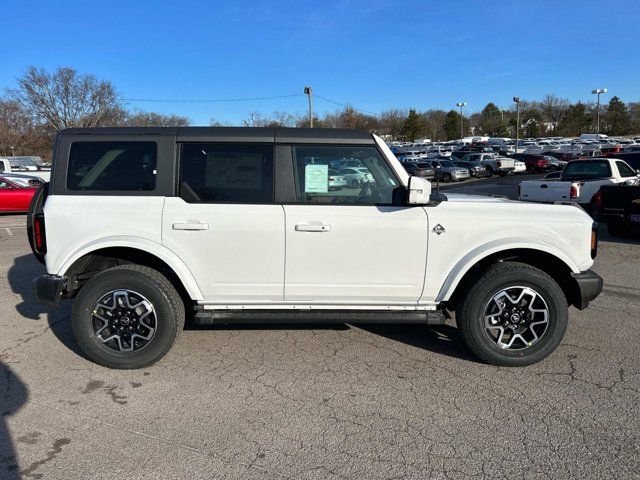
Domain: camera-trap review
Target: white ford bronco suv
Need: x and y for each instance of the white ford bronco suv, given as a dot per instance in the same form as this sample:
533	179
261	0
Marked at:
147	226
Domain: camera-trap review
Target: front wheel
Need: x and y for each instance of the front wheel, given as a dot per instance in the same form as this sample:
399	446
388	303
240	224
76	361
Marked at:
446	178
127	317
514	315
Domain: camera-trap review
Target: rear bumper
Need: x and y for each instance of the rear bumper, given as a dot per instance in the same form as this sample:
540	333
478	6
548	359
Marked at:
589	285
49	288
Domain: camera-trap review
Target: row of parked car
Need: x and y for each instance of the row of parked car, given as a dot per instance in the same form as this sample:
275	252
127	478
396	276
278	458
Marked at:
477	161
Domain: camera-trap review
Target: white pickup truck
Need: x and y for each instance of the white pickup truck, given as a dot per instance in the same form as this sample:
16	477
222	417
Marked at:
579	181
25	166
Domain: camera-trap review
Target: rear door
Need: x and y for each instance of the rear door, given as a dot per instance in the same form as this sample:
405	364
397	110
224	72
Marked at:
355	245
224	223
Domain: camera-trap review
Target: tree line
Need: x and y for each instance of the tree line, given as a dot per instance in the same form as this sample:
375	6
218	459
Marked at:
43	102
552	116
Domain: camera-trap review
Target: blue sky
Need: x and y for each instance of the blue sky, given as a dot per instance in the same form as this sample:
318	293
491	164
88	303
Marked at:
372	54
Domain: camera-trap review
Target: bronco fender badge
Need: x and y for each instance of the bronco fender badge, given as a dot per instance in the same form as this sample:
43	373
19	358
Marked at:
438	229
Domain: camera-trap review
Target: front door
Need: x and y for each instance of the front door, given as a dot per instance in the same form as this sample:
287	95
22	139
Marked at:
351	244
224	224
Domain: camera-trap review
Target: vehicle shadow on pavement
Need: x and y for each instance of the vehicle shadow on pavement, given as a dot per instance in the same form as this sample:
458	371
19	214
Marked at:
440	339
20	276
14	395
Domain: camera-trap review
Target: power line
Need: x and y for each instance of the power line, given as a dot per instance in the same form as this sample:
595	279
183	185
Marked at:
212	100
342	104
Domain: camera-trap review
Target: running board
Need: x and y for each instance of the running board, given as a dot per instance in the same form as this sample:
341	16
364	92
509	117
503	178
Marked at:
224	317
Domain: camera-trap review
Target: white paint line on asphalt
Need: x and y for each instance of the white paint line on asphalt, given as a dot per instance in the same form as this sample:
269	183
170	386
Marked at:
9	232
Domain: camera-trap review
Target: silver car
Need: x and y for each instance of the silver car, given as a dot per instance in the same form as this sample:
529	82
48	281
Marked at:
448	172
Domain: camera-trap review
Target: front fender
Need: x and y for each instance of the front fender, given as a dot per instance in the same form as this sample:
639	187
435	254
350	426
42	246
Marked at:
145	245
480	252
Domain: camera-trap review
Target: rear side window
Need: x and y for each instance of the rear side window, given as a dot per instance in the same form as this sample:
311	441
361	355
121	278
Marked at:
586	169
226	173
112	166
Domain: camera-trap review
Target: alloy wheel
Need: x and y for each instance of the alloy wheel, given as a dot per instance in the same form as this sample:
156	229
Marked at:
124	320
516	318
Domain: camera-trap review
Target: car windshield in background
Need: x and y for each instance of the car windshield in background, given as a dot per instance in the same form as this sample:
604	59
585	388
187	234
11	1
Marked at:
446	164
584	170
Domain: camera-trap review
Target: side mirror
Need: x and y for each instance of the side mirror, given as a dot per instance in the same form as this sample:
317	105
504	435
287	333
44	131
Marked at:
419	191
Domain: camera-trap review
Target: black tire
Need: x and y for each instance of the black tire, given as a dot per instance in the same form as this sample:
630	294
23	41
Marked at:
619	229
168	306
37	202
446	178
471	310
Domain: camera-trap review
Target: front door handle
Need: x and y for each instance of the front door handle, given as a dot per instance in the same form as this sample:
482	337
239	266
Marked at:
190	226
305	227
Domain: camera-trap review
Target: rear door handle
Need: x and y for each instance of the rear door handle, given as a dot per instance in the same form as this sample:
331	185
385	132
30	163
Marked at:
304	227
190	226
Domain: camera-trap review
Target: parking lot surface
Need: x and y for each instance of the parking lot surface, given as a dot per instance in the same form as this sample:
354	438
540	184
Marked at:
321	402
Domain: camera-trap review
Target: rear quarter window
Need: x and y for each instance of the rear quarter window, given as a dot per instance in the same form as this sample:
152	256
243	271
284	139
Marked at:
112	166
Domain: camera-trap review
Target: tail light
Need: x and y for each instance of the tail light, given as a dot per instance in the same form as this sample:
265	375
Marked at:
39	237
594	240
331	179
597	201
499	163
573	192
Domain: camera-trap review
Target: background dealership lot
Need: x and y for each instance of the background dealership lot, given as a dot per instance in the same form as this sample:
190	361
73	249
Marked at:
321	402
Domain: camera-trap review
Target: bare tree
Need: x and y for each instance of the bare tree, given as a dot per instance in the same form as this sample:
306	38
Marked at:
139	118
66	98
391	122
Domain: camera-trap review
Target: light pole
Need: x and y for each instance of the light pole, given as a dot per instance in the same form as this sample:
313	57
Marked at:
597	92
13	153
517	101
309	93
461	104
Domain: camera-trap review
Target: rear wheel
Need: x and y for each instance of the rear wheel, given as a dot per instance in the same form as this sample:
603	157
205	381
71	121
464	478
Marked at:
446	178
514	315
619	229
127	317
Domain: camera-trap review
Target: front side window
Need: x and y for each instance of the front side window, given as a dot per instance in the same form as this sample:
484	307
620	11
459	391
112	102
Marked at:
626	170
343	175
226	173
112	166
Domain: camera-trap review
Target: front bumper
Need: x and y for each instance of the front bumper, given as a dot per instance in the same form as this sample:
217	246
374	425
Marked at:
460	176
589	285
49	288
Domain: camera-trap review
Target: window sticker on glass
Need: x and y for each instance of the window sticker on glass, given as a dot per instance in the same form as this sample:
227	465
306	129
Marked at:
316	178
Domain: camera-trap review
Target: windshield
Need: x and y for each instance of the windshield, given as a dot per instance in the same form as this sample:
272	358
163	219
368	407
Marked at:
584	170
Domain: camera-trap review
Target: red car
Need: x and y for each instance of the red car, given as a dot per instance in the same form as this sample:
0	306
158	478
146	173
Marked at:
15	197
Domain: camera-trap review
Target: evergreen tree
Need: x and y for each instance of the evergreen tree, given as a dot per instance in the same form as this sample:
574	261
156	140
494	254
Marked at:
413	126
617	118
491	121
452	125
575	121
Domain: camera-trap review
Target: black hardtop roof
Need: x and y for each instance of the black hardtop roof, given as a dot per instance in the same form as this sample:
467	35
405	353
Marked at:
236	134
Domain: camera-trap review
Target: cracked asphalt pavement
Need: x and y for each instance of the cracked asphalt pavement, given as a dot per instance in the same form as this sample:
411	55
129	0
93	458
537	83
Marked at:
315	402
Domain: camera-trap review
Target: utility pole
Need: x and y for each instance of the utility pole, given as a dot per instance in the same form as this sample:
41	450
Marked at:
309	93
517	101
461	104
13	152
597	92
